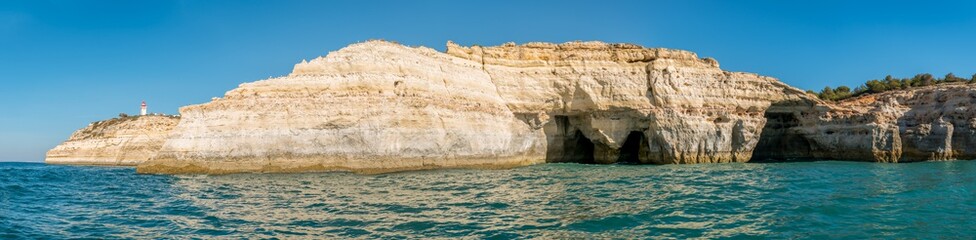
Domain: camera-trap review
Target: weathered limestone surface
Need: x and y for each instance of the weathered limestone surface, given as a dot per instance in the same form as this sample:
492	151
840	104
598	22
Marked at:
682	108
374	106
928	123
379	106
126	141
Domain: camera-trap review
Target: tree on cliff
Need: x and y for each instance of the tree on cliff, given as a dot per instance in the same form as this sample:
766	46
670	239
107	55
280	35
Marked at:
924	79
875	86
952	78
887	84
838	93
842	89
827	93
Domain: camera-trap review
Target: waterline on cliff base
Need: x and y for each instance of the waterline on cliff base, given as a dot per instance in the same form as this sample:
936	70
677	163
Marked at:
827	199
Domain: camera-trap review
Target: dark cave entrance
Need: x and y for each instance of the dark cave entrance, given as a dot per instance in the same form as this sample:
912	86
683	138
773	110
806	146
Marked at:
780	140
630	152
568	144
581	150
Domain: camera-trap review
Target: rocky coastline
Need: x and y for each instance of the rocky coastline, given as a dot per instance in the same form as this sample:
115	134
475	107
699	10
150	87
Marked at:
122	141
379	106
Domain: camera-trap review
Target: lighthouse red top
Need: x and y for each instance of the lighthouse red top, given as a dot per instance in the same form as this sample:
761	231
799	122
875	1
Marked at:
143	103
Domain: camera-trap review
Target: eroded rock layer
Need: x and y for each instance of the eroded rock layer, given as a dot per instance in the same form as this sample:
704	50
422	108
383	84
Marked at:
379	106
928	123
126	141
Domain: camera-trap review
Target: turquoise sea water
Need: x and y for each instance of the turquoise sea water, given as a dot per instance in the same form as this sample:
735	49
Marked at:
809	200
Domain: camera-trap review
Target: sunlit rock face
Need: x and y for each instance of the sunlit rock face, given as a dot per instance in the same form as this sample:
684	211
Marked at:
928	123
680	108
372	107
936	123
380	106
126	141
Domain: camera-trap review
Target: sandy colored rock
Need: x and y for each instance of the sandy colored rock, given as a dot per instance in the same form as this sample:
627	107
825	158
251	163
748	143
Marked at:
919	124
379	106
126	141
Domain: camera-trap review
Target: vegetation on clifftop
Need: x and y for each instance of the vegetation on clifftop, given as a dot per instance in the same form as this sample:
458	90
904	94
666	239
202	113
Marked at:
889	83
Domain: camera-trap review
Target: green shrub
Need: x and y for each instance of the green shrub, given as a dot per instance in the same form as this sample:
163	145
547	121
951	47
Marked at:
887	84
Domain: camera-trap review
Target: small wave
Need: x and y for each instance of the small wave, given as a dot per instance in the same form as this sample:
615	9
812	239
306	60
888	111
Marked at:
786	200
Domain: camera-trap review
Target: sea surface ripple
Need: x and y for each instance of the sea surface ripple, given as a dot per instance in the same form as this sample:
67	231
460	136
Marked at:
807	200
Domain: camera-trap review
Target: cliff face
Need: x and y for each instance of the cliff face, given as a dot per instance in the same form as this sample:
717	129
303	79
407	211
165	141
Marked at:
125	141
632	103
379	106
936	122
929	123
370	107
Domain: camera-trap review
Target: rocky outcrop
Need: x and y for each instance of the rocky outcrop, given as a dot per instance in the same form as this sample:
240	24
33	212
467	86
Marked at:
936	123
370	107
379	106
676	107
126	141
928	123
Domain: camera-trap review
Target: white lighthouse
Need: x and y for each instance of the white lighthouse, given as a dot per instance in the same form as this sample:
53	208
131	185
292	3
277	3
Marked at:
142	110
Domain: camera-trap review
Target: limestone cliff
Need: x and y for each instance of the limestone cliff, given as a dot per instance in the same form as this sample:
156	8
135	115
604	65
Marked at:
126	141
928	123
380	106
672	105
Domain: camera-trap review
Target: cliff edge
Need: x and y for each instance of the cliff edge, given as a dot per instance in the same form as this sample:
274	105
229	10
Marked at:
126	141
919	124
379	106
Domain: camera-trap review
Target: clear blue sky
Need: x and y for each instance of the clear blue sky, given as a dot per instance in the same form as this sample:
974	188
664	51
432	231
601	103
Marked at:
64	64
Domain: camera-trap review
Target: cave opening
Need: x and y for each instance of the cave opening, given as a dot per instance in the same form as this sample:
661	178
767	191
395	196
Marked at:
567	143
581	150
630	151
779	140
